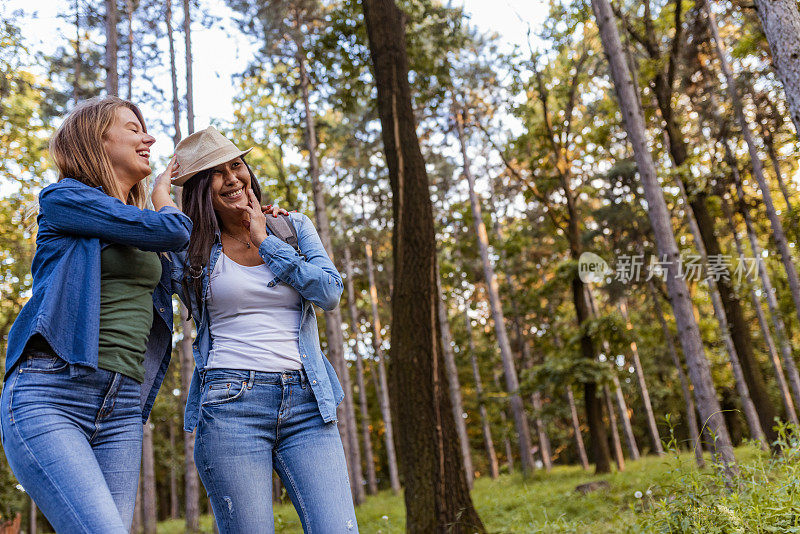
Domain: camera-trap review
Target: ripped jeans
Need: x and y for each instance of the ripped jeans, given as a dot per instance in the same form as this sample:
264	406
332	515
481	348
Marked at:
251	422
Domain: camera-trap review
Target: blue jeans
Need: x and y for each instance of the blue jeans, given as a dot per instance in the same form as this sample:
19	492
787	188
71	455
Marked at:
74	443
251	422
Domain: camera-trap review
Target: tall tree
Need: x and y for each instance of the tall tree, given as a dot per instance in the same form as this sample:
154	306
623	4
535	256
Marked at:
149	512
781	22
383	390
630	105
437	495
112	75
501	334
372	484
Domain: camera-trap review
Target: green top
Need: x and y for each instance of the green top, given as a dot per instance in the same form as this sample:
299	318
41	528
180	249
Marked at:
127	280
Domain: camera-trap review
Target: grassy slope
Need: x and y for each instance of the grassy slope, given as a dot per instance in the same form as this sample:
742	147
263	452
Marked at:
542	503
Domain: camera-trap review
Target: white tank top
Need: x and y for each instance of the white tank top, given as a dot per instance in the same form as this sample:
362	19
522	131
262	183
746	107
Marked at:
253	326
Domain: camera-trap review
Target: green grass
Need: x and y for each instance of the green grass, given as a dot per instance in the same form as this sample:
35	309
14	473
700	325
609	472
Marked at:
548	502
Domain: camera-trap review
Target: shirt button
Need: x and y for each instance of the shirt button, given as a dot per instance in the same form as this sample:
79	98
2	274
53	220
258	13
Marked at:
304	356
161	310
314	382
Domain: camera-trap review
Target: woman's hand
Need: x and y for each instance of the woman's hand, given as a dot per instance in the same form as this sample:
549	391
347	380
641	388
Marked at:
161	189
254	219
273	210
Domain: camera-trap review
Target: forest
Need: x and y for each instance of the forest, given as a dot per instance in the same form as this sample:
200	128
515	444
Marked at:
565	263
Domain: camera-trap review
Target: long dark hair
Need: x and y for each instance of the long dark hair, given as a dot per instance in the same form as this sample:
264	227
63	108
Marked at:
196	198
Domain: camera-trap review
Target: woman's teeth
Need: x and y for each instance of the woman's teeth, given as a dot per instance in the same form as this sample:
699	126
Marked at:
234	194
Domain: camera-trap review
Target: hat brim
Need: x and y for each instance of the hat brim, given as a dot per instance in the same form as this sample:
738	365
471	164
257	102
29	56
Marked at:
182	178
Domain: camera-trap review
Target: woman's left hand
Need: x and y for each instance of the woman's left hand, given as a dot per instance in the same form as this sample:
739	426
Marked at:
254	219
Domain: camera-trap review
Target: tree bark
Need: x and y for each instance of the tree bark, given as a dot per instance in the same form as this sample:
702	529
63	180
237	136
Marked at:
576	429
372	481
149	512
486	430
383	391
454	384
778	234
688	401
112	76
755	418
781	22
174	503
136	523
129	4
637	364
630	105
612	420
187	33
509	368
437	494
76	84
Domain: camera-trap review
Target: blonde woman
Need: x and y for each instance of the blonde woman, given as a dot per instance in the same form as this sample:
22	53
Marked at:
88	352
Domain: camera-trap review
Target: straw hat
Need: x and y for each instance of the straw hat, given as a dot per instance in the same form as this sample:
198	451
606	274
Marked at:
203	150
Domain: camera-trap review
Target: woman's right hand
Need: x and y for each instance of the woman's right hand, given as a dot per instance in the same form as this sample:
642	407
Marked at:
161	189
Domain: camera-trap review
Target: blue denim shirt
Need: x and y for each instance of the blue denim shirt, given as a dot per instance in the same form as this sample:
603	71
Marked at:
317	281
75	222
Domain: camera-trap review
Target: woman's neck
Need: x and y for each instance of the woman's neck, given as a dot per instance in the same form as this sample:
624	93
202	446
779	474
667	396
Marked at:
231	224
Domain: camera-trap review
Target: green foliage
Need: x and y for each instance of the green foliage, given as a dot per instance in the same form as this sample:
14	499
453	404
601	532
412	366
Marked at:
765	498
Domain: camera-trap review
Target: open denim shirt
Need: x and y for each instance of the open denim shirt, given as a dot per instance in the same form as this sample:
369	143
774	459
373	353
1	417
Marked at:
317	281
76	221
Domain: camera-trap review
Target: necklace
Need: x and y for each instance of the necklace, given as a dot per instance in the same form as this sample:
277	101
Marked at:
245	243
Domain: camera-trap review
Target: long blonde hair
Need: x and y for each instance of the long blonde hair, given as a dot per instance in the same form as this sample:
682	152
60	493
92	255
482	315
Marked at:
77	146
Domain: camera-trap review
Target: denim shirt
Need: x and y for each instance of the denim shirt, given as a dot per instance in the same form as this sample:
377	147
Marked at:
76	221
317	281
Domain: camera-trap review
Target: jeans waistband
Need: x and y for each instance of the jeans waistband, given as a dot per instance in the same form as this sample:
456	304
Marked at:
255	377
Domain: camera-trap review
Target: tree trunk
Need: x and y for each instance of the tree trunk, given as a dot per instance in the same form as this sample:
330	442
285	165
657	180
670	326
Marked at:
622	406
727	308
149	512
174	503
191	481
372	481
76	84
755	417
612	420
628	97
522	352
637	364
454	384
176	106
130	9
691	416
509	368
778	234
576	429
187	33
33	518
112	76
333	318
136	523
783	387
486	430
383	391
781	22
437	494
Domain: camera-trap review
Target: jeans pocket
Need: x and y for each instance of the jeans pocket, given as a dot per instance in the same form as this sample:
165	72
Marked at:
42	363
221	392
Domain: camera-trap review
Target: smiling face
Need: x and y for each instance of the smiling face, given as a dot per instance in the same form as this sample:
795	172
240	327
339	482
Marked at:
127	145
229	184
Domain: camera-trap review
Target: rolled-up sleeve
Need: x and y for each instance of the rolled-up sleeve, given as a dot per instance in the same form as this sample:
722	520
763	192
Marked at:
315	277
85	211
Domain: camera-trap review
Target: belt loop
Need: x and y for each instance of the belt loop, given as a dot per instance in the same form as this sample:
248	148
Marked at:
202	373
251	380
303	378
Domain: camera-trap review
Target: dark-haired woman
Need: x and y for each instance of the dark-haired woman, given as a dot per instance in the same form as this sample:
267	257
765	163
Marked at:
87	353
263	395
